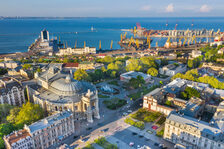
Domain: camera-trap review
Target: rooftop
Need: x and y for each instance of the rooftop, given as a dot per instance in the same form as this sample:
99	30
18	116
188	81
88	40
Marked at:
17	135
48	121
133	74
204	127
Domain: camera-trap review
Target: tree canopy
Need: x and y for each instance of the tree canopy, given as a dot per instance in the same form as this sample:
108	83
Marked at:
81	74
134	65
153	72
29	113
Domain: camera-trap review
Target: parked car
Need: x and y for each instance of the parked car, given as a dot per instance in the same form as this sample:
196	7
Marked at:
131	144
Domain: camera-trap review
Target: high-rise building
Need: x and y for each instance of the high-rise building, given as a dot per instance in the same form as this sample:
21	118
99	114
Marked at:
44	35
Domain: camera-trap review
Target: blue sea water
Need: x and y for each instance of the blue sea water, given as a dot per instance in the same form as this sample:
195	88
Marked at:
16	35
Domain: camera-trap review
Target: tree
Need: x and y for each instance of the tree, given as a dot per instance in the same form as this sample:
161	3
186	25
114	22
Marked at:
5	129
29	113
13	114
190	63
134	65
152	71
113	74
148	62
27	66
81	74
3	71
118	65
4	110
136	82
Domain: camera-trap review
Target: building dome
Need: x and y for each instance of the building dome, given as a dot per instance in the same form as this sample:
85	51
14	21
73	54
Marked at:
67	86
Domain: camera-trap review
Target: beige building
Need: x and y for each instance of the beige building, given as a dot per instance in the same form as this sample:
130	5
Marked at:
42	134
11	92
57	91
192	133
151	102
78	51
9	64
19	140
172	69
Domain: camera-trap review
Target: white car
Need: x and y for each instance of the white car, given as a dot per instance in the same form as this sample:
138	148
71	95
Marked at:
125	114
129	111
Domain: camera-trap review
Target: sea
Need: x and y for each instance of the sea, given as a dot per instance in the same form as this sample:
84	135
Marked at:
16	35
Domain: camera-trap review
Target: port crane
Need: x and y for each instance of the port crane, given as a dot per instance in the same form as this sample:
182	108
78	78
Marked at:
100	44
111	44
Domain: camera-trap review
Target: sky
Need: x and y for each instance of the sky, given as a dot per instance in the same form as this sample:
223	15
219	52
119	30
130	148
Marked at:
112	8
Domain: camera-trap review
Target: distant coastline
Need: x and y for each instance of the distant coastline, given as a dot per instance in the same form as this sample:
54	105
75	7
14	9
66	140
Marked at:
52	18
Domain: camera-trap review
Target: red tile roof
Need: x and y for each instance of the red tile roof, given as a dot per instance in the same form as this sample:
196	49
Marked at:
71	65
15	137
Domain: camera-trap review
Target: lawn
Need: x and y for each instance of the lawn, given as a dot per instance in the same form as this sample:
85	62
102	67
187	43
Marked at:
160	133
105	144
138	124
115	103
103	96
161	120
135	96
114	83
146	116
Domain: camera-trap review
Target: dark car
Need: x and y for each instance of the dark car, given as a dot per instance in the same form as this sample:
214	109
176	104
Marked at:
156	144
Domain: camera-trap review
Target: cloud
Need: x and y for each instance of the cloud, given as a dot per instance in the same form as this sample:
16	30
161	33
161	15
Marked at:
146	8
170	8
205	8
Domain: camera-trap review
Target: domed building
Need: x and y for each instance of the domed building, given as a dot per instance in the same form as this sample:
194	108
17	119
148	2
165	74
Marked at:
56	90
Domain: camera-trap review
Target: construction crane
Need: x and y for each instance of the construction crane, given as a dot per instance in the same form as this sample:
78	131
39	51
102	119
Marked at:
111	44
137	43
84	44
100	45
66	44
59	40
75	44
125	34
130	42
157	44
194	37
185	40
188	43
121	37
149	41
218	31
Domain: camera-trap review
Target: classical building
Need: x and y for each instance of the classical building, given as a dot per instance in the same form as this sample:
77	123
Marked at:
9	64
11	92
74	51
152	101
42	134
56	90
192	133
19	140
196	53
172	69
125	77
